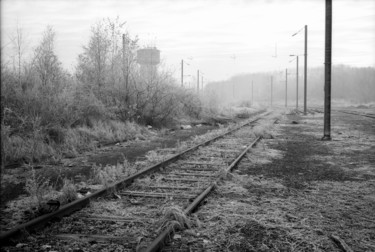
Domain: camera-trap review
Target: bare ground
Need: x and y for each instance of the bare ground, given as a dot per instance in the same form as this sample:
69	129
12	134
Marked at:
294	192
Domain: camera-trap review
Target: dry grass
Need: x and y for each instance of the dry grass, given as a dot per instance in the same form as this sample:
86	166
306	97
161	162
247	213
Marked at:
27	149
39	146
111	131
264	130
112	173
39	192
236	221
173	216
281	212
68	192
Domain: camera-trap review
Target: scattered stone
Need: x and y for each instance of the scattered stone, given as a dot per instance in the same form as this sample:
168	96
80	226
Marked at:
46	246
20	245
84	190
185	126
69	154
291	217
319	232
80	196
177	236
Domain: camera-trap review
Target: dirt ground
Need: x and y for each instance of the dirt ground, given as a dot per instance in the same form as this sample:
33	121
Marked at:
294	192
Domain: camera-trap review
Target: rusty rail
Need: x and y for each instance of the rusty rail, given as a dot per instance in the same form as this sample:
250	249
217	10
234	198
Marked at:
159	242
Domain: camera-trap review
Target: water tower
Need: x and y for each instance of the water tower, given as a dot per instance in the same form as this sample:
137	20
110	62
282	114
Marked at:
148	58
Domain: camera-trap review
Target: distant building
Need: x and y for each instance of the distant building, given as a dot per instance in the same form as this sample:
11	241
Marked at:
148	59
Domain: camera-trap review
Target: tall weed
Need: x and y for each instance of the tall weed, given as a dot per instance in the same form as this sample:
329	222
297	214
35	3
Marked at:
112	173
37	188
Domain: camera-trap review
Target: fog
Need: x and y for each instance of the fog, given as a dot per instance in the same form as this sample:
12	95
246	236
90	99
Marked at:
352	84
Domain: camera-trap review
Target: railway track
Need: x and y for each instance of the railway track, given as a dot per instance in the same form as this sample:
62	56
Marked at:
369	115
140	212
351	112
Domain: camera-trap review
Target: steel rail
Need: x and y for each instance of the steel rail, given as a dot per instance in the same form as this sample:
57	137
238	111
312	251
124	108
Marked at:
161	239
21	230
354	113
369	115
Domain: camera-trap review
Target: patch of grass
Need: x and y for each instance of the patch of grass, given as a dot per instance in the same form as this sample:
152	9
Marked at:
112	173
295	182
254	236
111	131
264	130
295	168
39	193
37	188
27	149
152	156
68	192
52	143
174	215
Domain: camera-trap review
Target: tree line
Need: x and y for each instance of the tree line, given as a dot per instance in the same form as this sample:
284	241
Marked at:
351	84
53	111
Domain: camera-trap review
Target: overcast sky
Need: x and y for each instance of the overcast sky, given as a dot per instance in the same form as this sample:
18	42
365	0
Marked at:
219	37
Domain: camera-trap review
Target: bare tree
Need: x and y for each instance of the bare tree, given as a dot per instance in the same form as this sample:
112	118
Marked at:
45	60
108	59
93	61
19	46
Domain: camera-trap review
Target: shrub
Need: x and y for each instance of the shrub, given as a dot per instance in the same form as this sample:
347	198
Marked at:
27	149
69	192
111	173
37	188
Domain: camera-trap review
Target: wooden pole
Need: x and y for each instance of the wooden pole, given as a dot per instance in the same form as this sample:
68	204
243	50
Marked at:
327	72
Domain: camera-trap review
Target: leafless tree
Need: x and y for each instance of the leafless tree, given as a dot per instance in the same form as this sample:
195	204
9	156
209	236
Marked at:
19	43
93	61
108	59
45	60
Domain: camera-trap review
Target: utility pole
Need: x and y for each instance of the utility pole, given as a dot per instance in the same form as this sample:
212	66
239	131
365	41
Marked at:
182	73
197	81
286	87
271	90
202	82
305	76
327	72
233	89
297	85
125	68
252	92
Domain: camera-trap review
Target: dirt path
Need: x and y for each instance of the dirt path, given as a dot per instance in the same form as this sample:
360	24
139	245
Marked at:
293	192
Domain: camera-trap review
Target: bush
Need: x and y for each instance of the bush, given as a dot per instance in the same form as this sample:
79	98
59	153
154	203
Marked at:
27	149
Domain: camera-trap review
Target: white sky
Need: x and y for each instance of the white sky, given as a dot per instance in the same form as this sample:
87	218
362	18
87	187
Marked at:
221	37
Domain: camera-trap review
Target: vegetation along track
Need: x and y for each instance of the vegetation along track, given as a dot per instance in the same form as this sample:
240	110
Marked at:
351	112
143	213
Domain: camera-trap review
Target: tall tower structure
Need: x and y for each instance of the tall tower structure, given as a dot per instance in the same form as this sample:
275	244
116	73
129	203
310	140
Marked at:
148	59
